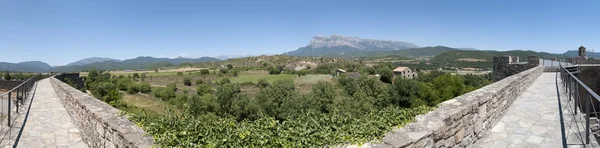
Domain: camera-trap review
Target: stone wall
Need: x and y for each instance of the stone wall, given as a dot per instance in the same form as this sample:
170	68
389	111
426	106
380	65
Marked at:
589	76
504	66
462	121
100	124
73	77
7	85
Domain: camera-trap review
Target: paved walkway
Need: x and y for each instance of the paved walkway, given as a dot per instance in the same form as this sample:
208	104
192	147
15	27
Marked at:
49	124
532	120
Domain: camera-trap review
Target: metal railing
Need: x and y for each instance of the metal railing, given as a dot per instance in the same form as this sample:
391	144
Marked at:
578	98
12	106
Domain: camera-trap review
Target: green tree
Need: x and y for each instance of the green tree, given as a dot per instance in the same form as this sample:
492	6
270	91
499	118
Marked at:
92	75
136	75
229	66
274	96
428	77
199	81
204	72
262	83
145	87
349	85
244	107
143	76
187	81
234	73
223	71
403	92
7	76
275	70
106	91
385	74
123	83
324	93
222	81
449	86
226	94
207	103
133	88
202	89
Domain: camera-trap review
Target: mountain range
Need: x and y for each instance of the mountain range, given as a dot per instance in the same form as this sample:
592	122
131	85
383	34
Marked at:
29	66
101	63
91	61
319	46
336	44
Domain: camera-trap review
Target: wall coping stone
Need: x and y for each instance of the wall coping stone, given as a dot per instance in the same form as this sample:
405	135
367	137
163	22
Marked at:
101	115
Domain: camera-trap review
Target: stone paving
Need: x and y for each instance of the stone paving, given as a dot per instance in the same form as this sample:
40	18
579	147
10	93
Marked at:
532	120
49	124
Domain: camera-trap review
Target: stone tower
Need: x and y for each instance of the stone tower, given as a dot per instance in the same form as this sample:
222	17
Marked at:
581	51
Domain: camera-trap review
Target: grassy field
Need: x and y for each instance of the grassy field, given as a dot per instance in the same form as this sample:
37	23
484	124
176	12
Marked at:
138	103
168	72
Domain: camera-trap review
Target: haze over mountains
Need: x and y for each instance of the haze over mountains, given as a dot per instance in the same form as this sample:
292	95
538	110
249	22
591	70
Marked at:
319	46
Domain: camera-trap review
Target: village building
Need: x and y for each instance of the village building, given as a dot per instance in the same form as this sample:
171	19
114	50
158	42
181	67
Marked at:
404	72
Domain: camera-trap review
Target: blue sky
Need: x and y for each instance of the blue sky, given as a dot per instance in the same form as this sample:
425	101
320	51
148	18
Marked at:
59	32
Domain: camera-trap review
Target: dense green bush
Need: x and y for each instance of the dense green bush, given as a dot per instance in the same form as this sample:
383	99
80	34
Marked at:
262	83
309	130
133	88
145	87
204	72
187	81
203	89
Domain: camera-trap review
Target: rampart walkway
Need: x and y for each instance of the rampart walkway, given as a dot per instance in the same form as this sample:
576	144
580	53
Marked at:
532	120
49	124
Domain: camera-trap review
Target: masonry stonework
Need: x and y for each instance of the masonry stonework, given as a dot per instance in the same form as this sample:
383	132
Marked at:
462	121
100	124
504	66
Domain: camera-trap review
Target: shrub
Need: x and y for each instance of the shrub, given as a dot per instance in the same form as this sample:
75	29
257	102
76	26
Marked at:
202	89
133	88
145	87
222	81
223	70
123	84
106	91
234	73
204	72
164	93
187	81
198	105
262	83
199	81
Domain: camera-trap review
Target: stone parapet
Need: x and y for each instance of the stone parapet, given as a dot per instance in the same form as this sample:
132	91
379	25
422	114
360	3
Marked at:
100	123
461	121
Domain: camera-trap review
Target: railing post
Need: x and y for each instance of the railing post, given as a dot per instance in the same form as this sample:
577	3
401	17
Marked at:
9	110
587	118
17	98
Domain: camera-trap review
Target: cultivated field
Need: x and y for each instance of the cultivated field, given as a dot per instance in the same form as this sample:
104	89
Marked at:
165	72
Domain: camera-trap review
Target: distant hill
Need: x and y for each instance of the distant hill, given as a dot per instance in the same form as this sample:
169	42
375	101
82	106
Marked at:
336	44
575	53
480	58
136	63
91	61
29	66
